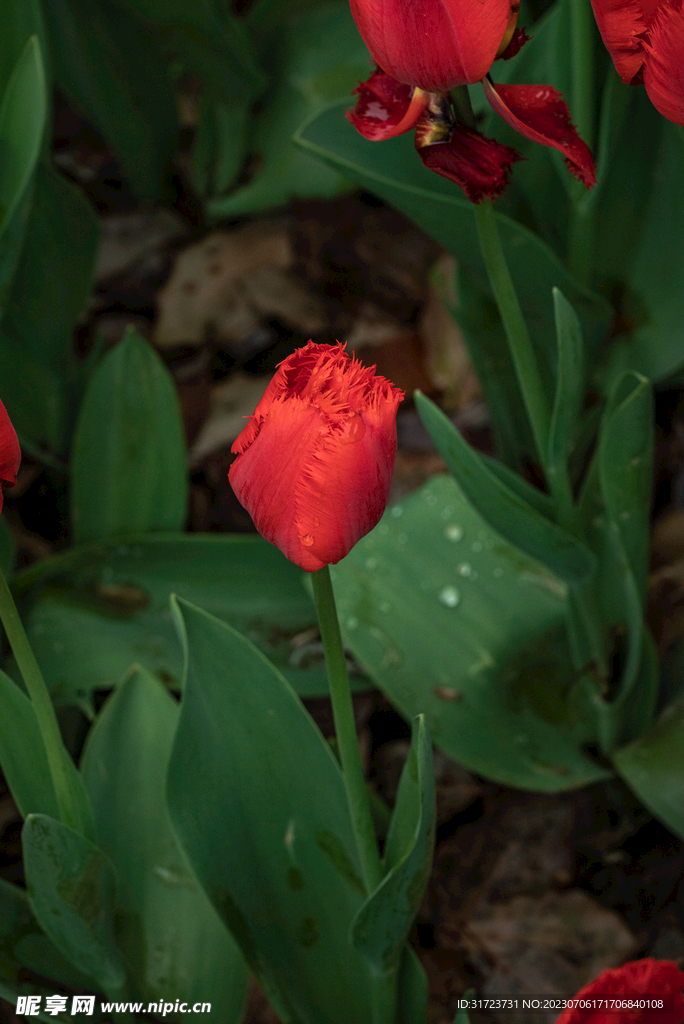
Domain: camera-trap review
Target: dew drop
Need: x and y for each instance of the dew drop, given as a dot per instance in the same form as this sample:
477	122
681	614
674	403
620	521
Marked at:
316	521
464	569
307	540
449	596
352	622
447	512
371	563
385	607
453	532
476	546
397	511
430	499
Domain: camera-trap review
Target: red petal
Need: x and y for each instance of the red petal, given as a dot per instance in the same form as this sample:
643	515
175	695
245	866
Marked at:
434	44
539	113
386	108
517	41
315	463
10	452
664	66
479	165
622	25
639	978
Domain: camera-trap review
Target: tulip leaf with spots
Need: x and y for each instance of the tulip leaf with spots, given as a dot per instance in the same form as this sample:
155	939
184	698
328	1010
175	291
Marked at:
71	886
452	621
174	942
258	803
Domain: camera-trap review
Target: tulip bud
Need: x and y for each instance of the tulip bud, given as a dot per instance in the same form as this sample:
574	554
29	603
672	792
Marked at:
10	452
314	464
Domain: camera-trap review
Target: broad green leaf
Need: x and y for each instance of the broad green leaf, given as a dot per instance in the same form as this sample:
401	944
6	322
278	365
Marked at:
108	62
172	938
450	620
412	995
24	761
502	507
71	888
640	218
258	803
569	395
207	40
23	113
102	607
382	926
39	369
129	466
317	57
219	145
653	766
393	171
16	921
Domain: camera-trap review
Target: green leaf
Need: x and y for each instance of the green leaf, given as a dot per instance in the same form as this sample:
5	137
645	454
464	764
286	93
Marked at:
451	621
16	921
653	766
258	803
502	507
208	37
39	368
71	889
107	605
24	761
383	923
219	146
569	396
23	114
108	62
129	460
638	247
393	171
317	57
172	938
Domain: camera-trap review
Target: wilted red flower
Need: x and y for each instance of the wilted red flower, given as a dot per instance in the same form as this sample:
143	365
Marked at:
386	108
635	982
314	464
435	44
10	452
646	41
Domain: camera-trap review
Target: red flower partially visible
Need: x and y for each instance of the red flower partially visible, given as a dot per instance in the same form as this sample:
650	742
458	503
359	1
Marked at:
435	44
479	165
635	981
646	41
314	464
10	452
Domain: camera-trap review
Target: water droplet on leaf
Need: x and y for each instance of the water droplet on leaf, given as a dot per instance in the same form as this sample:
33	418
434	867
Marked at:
449	596
453	532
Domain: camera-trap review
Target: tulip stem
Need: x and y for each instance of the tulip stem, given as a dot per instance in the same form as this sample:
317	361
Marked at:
345	730
42	705
517	335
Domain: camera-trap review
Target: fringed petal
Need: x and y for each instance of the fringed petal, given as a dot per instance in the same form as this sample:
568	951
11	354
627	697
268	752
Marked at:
622	26
539	113
386	107
479	165
664	65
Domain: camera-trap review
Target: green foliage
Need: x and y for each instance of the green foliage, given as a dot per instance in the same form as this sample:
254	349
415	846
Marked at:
172	939
257	801
129	466
108	604
450	620
23	112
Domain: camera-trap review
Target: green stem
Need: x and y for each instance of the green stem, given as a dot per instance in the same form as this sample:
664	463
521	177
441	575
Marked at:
519	343
42	705
345	729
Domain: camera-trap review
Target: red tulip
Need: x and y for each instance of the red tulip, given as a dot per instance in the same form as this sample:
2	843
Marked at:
10	452
638	981
314	464
479	165
646	41
435	44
